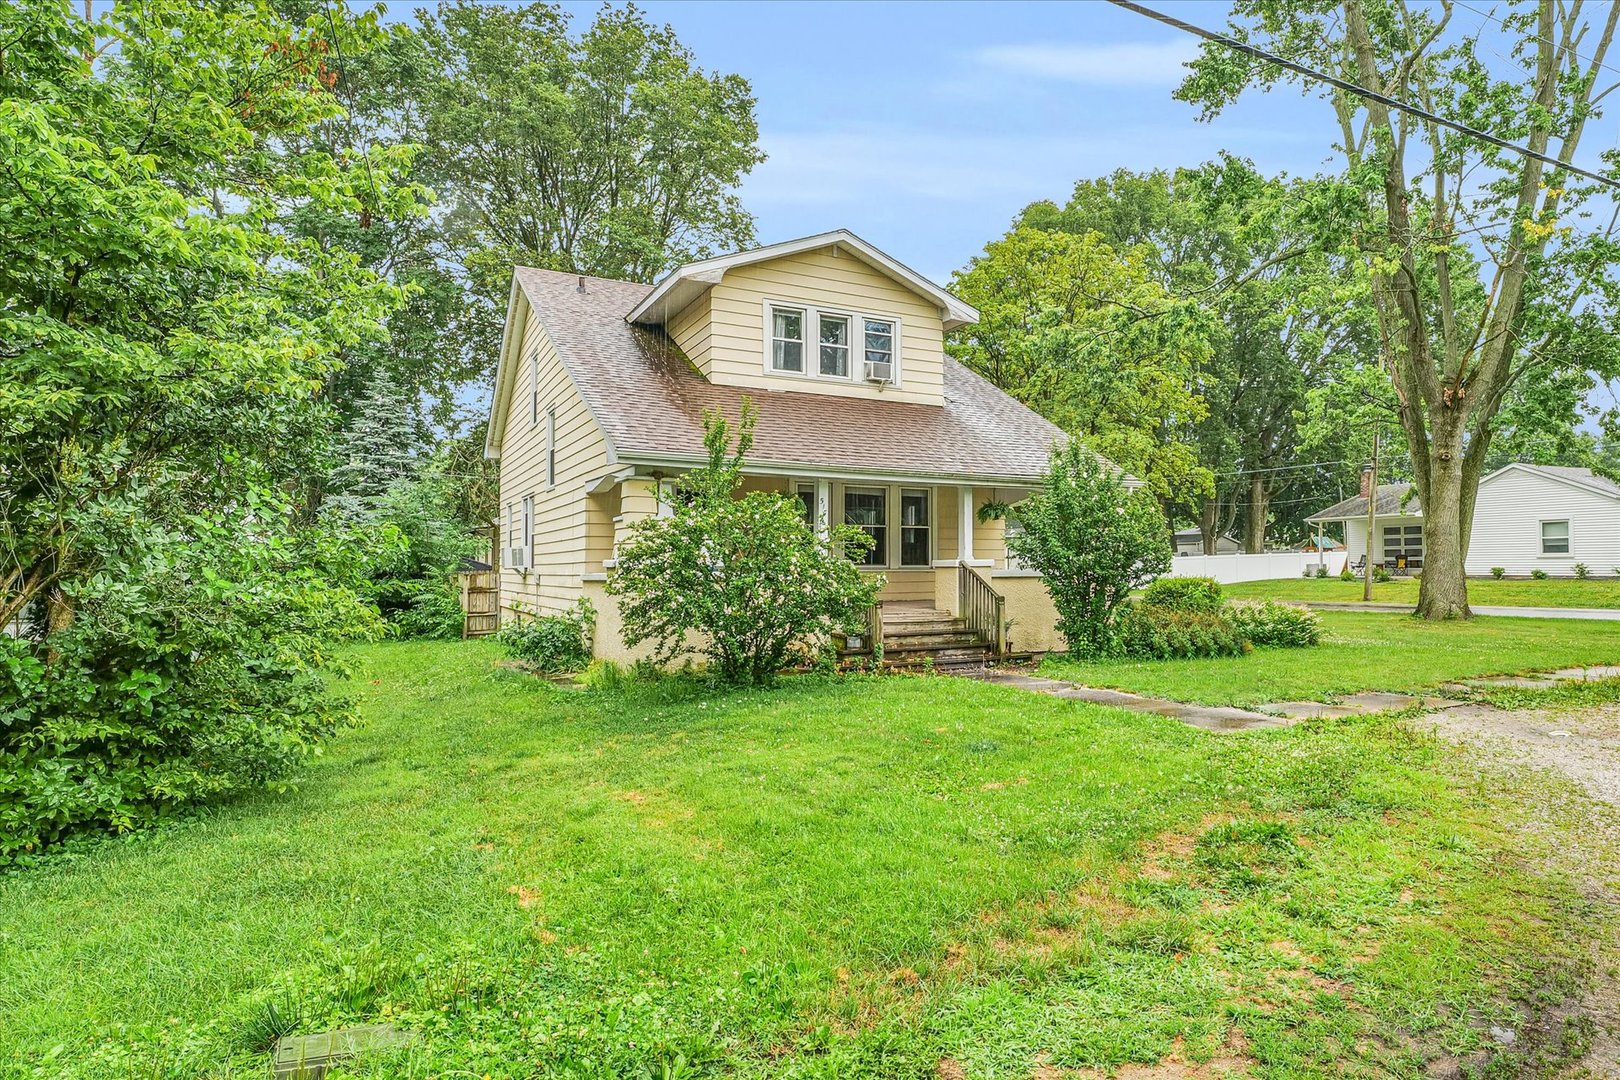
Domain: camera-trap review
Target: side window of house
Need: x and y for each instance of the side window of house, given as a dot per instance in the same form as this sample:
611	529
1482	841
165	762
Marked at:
1013	527
806	494
867	509
551	446
527	541
534	389
835	345
879	349
1555	537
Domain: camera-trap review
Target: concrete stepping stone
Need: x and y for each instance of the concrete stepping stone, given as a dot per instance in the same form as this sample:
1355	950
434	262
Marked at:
1206	717
308	1057
1588	674
1528	682
1310	710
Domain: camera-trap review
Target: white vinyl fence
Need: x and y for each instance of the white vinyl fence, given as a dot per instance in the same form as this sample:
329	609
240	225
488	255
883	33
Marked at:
1263	567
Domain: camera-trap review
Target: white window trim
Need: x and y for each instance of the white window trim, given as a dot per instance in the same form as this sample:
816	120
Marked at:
1569	538
527	546
551	447
812	342
534	388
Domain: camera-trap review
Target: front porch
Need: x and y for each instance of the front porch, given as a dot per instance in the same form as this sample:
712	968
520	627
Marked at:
925	535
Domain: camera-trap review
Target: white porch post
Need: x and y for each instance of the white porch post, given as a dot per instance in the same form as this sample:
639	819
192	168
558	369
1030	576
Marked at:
964	525
824	508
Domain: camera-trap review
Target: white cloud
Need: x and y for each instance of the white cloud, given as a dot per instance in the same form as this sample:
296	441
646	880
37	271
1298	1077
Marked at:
1117	63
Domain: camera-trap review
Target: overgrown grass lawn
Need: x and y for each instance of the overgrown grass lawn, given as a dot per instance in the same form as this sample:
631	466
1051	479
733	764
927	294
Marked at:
1553	592
1361	651
897	877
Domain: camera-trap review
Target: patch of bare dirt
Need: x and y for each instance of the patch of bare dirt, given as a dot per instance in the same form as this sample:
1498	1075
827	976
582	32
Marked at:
1581	746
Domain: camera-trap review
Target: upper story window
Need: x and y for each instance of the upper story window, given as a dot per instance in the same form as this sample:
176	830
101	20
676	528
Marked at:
787	340
835	338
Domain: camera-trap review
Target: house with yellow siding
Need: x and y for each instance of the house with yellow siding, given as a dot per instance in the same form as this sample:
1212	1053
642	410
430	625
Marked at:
599	405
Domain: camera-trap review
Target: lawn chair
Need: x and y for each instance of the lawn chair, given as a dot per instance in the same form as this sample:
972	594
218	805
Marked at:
1359	565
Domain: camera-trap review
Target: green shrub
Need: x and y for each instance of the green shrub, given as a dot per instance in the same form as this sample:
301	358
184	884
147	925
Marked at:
432	612
1277	626
1539	574
1093	541
1497	572
193	669
551	643
1582	571
1321	571
605	676
1345	574
1196	594
1159	633
1379	573
744	575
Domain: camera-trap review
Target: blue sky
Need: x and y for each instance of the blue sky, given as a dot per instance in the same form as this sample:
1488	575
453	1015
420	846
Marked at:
924	127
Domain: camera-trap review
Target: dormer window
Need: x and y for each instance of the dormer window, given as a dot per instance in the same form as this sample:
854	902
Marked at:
849	345
787	340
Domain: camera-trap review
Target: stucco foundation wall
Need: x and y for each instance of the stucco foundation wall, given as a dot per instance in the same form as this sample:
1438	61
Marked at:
1031	611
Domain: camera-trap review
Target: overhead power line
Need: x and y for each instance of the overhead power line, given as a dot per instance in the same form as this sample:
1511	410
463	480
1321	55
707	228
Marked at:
1360	91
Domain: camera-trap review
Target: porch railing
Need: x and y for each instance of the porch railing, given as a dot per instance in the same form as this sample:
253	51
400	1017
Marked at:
981	608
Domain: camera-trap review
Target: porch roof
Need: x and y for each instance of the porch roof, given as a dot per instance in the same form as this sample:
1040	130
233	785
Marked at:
649	401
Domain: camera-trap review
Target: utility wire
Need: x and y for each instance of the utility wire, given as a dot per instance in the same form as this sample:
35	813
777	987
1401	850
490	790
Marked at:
1534	37
1283	468
1360	91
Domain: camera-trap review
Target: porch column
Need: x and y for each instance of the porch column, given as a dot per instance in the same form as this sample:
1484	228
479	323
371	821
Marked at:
964	524
824	508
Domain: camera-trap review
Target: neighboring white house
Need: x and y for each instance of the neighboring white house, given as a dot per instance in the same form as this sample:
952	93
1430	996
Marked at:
1191	542
1526	518
1546	517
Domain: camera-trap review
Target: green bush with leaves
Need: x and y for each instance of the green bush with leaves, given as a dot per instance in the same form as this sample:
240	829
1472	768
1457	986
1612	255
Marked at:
552	643
198	670
1498	572
1197	594
1160	633
1094	541
1277	626
1539	574
741	580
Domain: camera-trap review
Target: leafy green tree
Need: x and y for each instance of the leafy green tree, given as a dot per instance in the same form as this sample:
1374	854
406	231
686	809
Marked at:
609	153
1094	542
1283	315
162	353
1082	334
743	574
1484	269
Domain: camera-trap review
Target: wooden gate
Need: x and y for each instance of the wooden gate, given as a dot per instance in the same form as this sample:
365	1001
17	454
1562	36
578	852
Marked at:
480	603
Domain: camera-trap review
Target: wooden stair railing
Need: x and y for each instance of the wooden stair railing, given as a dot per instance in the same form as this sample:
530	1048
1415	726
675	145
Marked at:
981	608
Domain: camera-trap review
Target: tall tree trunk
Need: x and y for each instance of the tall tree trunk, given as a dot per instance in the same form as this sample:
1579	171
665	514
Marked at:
1254	540
1209	524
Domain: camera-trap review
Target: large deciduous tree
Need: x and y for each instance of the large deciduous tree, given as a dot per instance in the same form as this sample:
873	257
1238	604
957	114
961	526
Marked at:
1085	336
609	152
1485	272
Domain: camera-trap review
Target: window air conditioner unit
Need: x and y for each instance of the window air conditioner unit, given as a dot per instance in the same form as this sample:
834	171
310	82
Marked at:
514	558
879	372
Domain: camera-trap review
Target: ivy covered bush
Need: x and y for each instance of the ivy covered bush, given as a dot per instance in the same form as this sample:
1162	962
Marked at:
551	643
743	581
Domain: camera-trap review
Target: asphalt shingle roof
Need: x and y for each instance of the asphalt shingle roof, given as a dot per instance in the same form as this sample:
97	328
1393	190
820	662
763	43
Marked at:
649	399
1391	499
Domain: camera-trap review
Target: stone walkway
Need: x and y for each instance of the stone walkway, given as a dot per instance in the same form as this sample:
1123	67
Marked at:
1282	713
1599	614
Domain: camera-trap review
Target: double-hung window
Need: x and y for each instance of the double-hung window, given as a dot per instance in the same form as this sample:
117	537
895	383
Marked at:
834	345
787	340
1555	537
880	346
915	549
828	344
868	510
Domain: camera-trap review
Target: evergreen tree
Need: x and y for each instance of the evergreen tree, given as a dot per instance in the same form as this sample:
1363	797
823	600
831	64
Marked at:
377	450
